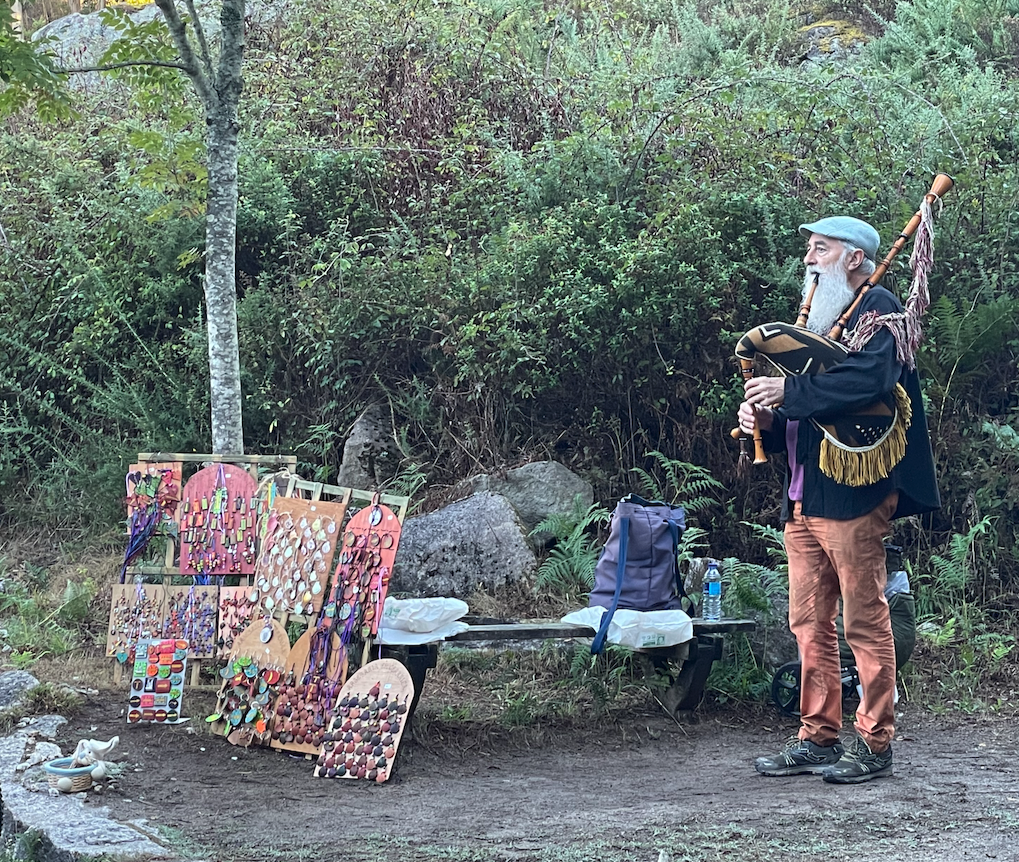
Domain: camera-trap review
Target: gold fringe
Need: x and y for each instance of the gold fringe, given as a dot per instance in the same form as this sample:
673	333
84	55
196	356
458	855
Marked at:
865	466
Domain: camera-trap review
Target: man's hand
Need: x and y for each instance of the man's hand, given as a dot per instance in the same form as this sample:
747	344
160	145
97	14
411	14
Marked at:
765	391
748	412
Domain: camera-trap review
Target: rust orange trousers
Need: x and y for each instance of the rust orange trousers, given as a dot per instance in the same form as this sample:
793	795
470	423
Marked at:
827	559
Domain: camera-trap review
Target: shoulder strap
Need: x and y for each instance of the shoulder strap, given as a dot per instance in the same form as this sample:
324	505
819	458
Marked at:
598	644
680	591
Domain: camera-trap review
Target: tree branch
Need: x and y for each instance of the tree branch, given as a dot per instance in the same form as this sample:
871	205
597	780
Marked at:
187	53
112	66
203	45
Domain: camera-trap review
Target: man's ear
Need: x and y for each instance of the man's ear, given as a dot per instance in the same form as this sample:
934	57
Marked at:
855	260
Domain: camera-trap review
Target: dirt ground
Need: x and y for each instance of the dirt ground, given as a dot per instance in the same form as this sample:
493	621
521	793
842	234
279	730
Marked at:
647	789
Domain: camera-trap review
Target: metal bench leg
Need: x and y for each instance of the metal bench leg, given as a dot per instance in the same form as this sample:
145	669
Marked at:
418	660
688	689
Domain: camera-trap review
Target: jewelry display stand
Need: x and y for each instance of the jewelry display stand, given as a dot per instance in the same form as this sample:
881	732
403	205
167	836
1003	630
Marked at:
251	678
368	723
160	511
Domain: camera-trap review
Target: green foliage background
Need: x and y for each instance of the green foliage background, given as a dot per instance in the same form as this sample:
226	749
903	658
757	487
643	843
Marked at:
532	229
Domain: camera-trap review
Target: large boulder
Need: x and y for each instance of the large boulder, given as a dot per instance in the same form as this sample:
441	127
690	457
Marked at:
78	41
472	544
367	458
536	490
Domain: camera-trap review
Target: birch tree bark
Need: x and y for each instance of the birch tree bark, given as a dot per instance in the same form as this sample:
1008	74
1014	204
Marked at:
219	83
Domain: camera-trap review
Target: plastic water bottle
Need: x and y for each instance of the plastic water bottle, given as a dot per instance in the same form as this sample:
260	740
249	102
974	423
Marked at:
711	604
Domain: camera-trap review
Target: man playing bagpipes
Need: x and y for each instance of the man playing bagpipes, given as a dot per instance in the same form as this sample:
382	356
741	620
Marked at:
849	415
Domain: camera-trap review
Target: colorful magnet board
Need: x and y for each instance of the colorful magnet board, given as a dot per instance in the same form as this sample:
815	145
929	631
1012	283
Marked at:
136	613
190	614
235	610
157	681
155	483
368	722
365	562
251	678
311	681
292	574
218	522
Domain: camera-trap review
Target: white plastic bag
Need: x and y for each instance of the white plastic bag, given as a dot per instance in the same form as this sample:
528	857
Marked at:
421	615
638	629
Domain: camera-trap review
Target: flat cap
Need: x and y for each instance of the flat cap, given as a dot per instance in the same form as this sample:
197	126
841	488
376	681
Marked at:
847	229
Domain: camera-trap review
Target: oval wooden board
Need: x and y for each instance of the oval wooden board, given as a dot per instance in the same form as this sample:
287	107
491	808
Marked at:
395	683
300	656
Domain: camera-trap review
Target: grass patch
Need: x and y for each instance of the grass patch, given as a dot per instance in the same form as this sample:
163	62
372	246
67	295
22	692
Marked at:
43	699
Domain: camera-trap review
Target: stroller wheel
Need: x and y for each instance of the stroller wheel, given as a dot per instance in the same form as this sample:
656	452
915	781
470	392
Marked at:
785	688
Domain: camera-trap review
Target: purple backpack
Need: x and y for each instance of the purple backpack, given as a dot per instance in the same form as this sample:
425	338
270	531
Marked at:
638	568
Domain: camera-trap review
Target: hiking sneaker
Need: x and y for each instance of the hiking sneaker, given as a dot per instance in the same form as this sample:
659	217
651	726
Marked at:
800	757
859	764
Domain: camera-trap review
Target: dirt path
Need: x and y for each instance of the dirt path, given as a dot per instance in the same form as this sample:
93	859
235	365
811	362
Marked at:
606	794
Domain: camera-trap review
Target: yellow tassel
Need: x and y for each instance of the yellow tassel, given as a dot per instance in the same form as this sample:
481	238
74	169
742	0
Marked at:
858	467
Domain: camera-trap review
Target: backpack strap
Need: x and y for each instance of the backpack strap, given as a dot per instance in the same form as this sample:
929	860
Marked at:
680	591
598	644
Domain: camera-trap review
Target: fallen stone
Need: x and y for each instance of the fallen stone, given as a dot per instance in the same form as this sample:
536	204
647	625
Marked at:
13	684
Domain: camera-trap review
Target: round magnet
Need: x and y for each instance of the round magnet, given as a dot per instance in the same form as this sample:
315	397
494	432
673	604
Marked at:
135	701
172	716
160	715
136	685
134	715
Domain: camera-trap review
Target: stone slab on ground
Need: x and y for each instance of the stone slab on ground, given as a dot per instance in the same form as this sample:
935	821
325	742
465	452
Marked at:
64	829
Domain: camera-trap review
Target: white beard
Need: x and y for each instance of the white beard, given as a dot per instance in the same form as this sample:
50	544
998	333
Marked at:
831	298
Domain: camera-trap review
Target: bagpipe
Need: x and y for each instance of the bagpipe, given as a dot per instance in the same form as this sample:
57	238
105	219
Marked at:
861	447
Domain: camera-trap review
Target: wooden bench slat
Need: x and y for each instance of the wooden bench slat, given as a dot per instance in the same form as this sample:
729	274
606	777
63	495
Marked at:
542	630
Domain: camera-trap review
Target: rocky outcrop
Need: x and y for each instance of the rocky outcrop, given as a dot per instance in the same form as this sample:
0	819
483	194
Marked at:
473	544
536	490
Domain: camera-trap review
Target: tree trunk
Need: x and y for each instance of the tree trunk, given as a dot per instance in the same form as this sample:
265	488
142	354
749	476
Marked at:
221	285
218	83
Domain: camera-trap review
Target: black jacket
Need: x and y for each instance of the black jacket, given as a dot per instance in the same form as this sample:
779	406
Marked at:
854	383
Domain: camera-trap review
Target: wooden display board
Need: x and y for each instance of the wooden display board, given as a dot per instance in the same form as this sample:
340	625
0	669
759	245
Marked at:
137	612
250	680
368	723
190	614
370	541
292	573
218	522
157	681
236	607
307	692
